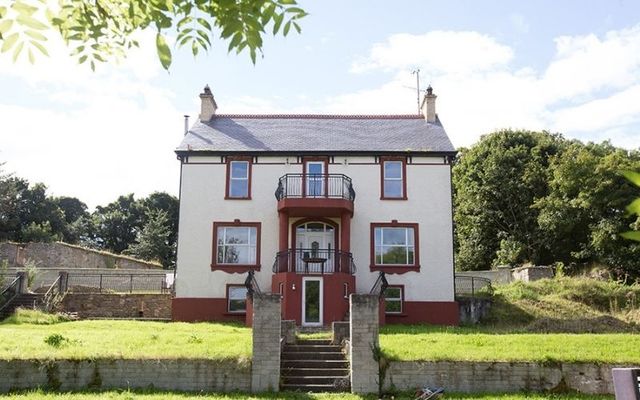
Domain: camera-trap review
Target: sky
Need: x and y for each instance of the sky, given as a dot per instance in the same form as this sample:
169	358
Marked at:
568	66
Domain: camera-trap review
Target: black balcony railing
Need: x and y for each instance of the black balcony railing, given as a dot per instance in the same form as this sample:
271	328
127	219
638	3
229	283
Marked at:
314	261
332	186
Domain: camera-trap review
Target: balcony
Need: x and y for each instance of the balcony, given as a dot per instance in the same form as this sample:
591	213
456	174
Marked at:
315	195
314	261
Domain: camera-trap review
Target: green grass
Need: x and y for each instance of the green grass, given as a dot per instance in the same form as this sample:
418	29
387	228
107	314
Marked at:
20	338
419	342
127	395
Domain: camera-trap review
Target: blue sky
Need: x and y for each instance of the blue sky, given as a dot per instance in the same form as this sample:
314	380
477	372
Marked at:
565	66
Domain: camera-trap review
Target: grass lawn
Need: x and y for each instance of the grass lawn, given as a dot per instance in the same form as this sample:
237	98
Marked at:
122	339
409	343
272	396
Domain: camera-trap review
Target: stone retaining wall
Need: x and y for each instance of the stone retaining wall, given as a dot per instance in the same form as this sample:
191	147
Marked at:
68	375
472	377
110	305
62	256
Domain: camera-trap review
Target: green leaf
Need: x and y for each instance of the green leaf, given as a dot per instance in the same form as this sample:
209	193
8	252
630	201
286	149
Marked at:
634	207
287	27
252	53
632	176
295	25
164	53
237	38
5	26
31	57
36	35
277	22
631	235
295	10
8	42
40	47
17	50
204	23
287	2
82	59
31	22
194	48
23	8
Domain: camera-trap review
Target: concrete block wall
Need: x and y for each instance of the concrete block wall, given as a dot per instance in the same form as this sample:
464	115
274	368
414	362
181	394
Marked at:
265	367
74	375
363	331
473	377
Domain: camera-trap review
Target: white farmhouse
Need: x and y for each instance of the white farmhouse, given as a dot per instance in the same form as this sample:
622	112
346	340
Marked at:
316	206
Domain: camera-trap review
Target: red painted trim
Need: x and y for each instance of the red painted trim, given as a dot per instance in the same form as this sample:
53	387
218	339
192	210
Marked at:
345	238
234	268
427	312
401	301
336	229
194	309
226	189
230	285
404	177
319	207
283	230
391	268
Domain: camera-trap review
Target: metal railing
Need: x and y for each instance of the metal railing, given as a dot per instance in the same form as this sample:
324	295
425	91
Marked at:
54	294
332	186
473	286
314	261
10	292
117	283
380	285
252	285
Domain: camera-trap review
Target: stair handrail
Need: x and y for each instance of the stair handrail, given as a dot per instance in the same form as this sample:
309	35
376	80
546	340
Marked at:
381	284
52	296
10	292
252	285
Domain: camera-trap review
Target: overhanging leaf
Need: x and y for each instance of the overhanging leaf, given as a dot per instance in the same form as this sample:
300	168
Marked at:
634	207
631	235
8	43
632	176
5	26
164	53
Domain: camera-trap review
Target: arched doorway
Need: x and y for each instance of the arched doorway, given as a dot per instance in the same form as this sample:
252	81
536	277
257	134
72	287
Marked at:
314	242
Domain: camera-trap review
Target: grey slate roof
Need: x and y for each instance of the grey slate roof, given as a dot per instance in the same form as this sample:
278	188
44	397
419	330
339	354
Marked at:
316	133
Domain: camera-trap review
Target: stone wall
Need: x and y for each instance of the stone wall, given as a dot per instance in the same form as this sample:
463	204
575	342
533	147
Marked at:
472	377
265	364
110	305
532	273
473	309
62	256
363	331
501	275
70	375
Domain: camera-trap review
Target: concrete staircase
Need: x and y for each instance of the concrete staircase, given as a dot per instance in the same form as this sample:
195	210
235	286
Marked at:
24	300
314	365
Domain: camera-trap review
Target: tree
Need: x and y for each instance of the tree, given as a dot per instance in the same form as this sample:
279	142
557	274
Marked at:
496	182
99	30
161	201
9	221
634	207
76	219
152	243
117	224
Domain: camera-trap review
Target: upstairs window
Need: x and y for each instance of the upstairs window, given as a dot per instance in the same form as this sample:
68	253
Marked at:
393	179
394	247
236	246
238	179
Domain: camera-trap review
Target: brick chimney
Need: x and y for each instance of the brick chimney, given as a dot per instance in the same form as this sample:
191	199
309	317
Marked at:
208	105
428	107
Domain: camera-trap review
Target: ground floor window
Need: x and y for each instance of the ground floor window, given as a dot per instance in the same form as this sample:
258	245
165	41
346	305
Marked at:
393	297
237	299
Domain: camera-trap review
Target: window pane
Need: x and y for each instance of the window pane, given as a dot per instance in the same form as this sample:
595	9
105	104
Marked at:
240	169
410	256
314	168
392	293
393	169
237	305
394	236
378	255
315	227
410	235
377	232
394	255
392	306
237	293
239	235
239	188
392	188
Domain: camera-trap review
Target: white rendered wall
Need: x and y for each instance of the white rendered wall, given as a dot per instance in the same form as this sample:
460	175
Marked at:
429	204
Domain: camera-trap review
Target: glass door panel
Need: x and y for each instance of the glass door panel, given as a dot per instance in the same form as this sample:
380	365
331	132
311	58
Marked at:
315	179
311	301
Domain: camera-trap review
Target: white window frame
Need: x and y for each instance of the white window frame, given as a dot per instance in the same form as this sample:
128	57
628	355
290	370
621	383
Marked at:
399	299
222	236
233	179
230	297
385	179
381	246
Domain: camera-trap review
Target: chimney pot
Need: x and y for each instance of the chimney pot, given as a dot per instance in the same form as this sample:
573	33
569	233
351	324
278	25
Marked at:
429	105
208	105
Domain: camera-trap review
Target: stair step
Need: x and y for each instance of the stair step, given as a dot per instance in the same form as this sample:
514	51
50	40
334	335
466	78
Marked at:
300	355
313	380
314	388
326	348
313	341
295	371
324	364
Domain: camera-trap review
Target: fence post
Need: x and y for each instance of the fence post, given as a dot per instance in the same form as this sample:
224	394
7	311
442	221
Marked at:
100	283
130	283
63	281
473	289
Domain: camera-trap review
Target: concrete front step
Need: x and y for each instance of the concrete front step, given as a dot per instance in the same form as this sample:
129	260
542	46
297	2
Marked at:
314	388
313	342
302	371
324	364
302	355
325	348
313	380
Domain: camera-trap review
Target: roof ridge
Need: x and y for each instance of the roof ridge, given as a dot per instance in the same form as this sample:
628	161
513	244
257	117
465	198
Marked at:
320	116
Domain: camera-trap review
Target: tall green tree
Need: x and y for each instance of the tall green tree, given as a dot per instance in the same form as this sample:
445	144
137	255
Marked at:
634	207
496	183
99	30
152	242
117	224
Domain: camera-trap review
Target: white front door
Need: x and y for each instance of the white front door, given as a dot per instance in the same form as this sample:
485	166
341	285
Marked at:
315	178
311	301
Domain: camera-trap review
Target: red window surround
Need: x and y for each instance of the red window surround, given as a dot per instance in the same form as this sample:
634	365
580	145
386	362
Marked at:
395	268
228	180
229	312
404	177
401	313
234	268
